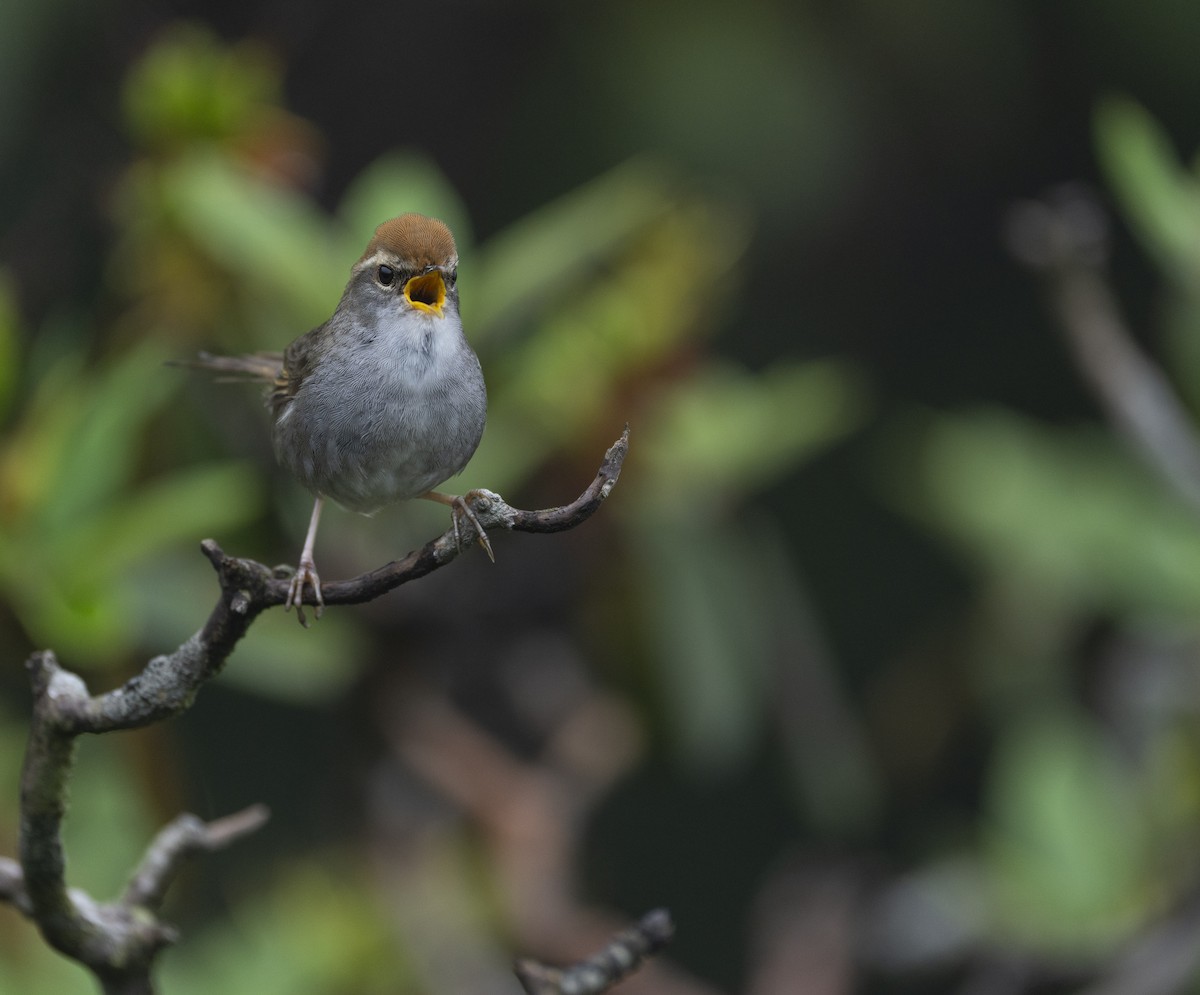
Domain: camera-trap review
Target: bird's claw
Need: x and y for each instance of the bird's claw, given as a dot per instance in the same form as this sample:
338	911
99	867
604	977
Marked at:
305	576
461	508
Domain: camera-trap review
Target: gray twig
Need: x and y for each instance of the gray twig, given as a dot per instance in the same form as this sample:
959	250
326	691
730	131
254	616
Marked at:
181	838
117	940
620	958
1065	237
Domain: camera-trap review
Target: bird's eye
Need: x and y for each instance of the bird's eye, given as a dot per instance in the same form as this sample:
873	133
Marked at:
385	275
451	277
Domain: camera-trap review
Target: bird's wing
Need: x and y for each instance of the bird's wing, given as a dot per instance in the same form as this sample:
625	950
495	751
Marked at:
298	361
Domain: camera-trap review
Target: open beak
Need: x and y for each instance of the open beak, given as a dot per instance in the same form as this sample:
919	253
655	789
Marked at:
426	292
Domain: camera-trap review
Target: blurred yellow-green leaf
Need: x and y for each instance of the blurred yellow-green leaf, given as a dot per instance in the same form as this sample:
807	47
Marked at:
190	86
316	931
70	504
556	251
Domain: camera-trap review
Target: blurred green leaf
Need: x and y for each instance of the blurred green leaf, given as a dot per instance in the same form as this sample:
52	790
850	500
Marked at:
723	433
1160	198
190	86
701	595
267	237
167	510
79	600
66	473
1068	510
541	260
95	458
725	619
111	821
1067	838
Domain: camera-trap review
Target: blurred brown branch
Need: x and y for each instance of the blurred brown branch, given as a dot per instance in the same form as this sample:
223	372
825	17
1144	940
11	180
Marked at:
531	813
119	940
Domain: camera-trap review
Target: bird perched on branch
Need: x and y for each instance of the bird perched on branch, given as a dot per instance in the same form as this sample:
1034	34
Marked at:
386	399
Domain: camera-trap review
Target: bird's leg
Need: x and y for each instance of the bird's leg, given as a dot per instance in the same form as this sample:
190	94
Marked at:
306	572
461	509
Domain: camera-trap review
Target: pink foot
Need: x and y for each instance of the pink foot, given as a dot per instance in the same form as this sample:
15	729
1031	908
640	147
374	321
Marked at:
305	576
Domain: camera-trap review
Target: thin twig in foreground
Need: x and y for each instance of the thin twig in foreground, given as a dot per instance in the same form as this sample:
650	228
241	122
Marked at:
620	958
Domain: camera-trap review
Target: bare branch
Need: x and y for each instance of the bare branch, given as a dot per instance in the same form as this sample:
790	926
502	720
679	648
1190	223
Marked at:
168	684
48	759
620	958
119	940
492	512
182	838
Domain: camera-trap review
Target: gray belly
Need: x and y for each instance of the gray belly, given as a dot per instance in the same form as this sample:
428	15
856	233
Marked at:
366	446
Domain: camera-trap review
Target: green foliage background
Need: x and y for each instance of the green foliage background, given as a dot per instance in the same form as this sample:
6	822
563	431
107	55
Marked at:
880	597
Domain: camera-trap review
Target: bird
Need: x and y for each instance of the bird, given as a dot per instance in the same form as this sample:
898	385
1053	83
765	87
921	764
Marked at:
386	400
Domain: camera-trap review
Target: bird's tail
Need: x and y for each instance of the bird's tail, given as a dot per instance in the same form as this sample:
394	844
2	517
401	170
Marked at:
259	367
